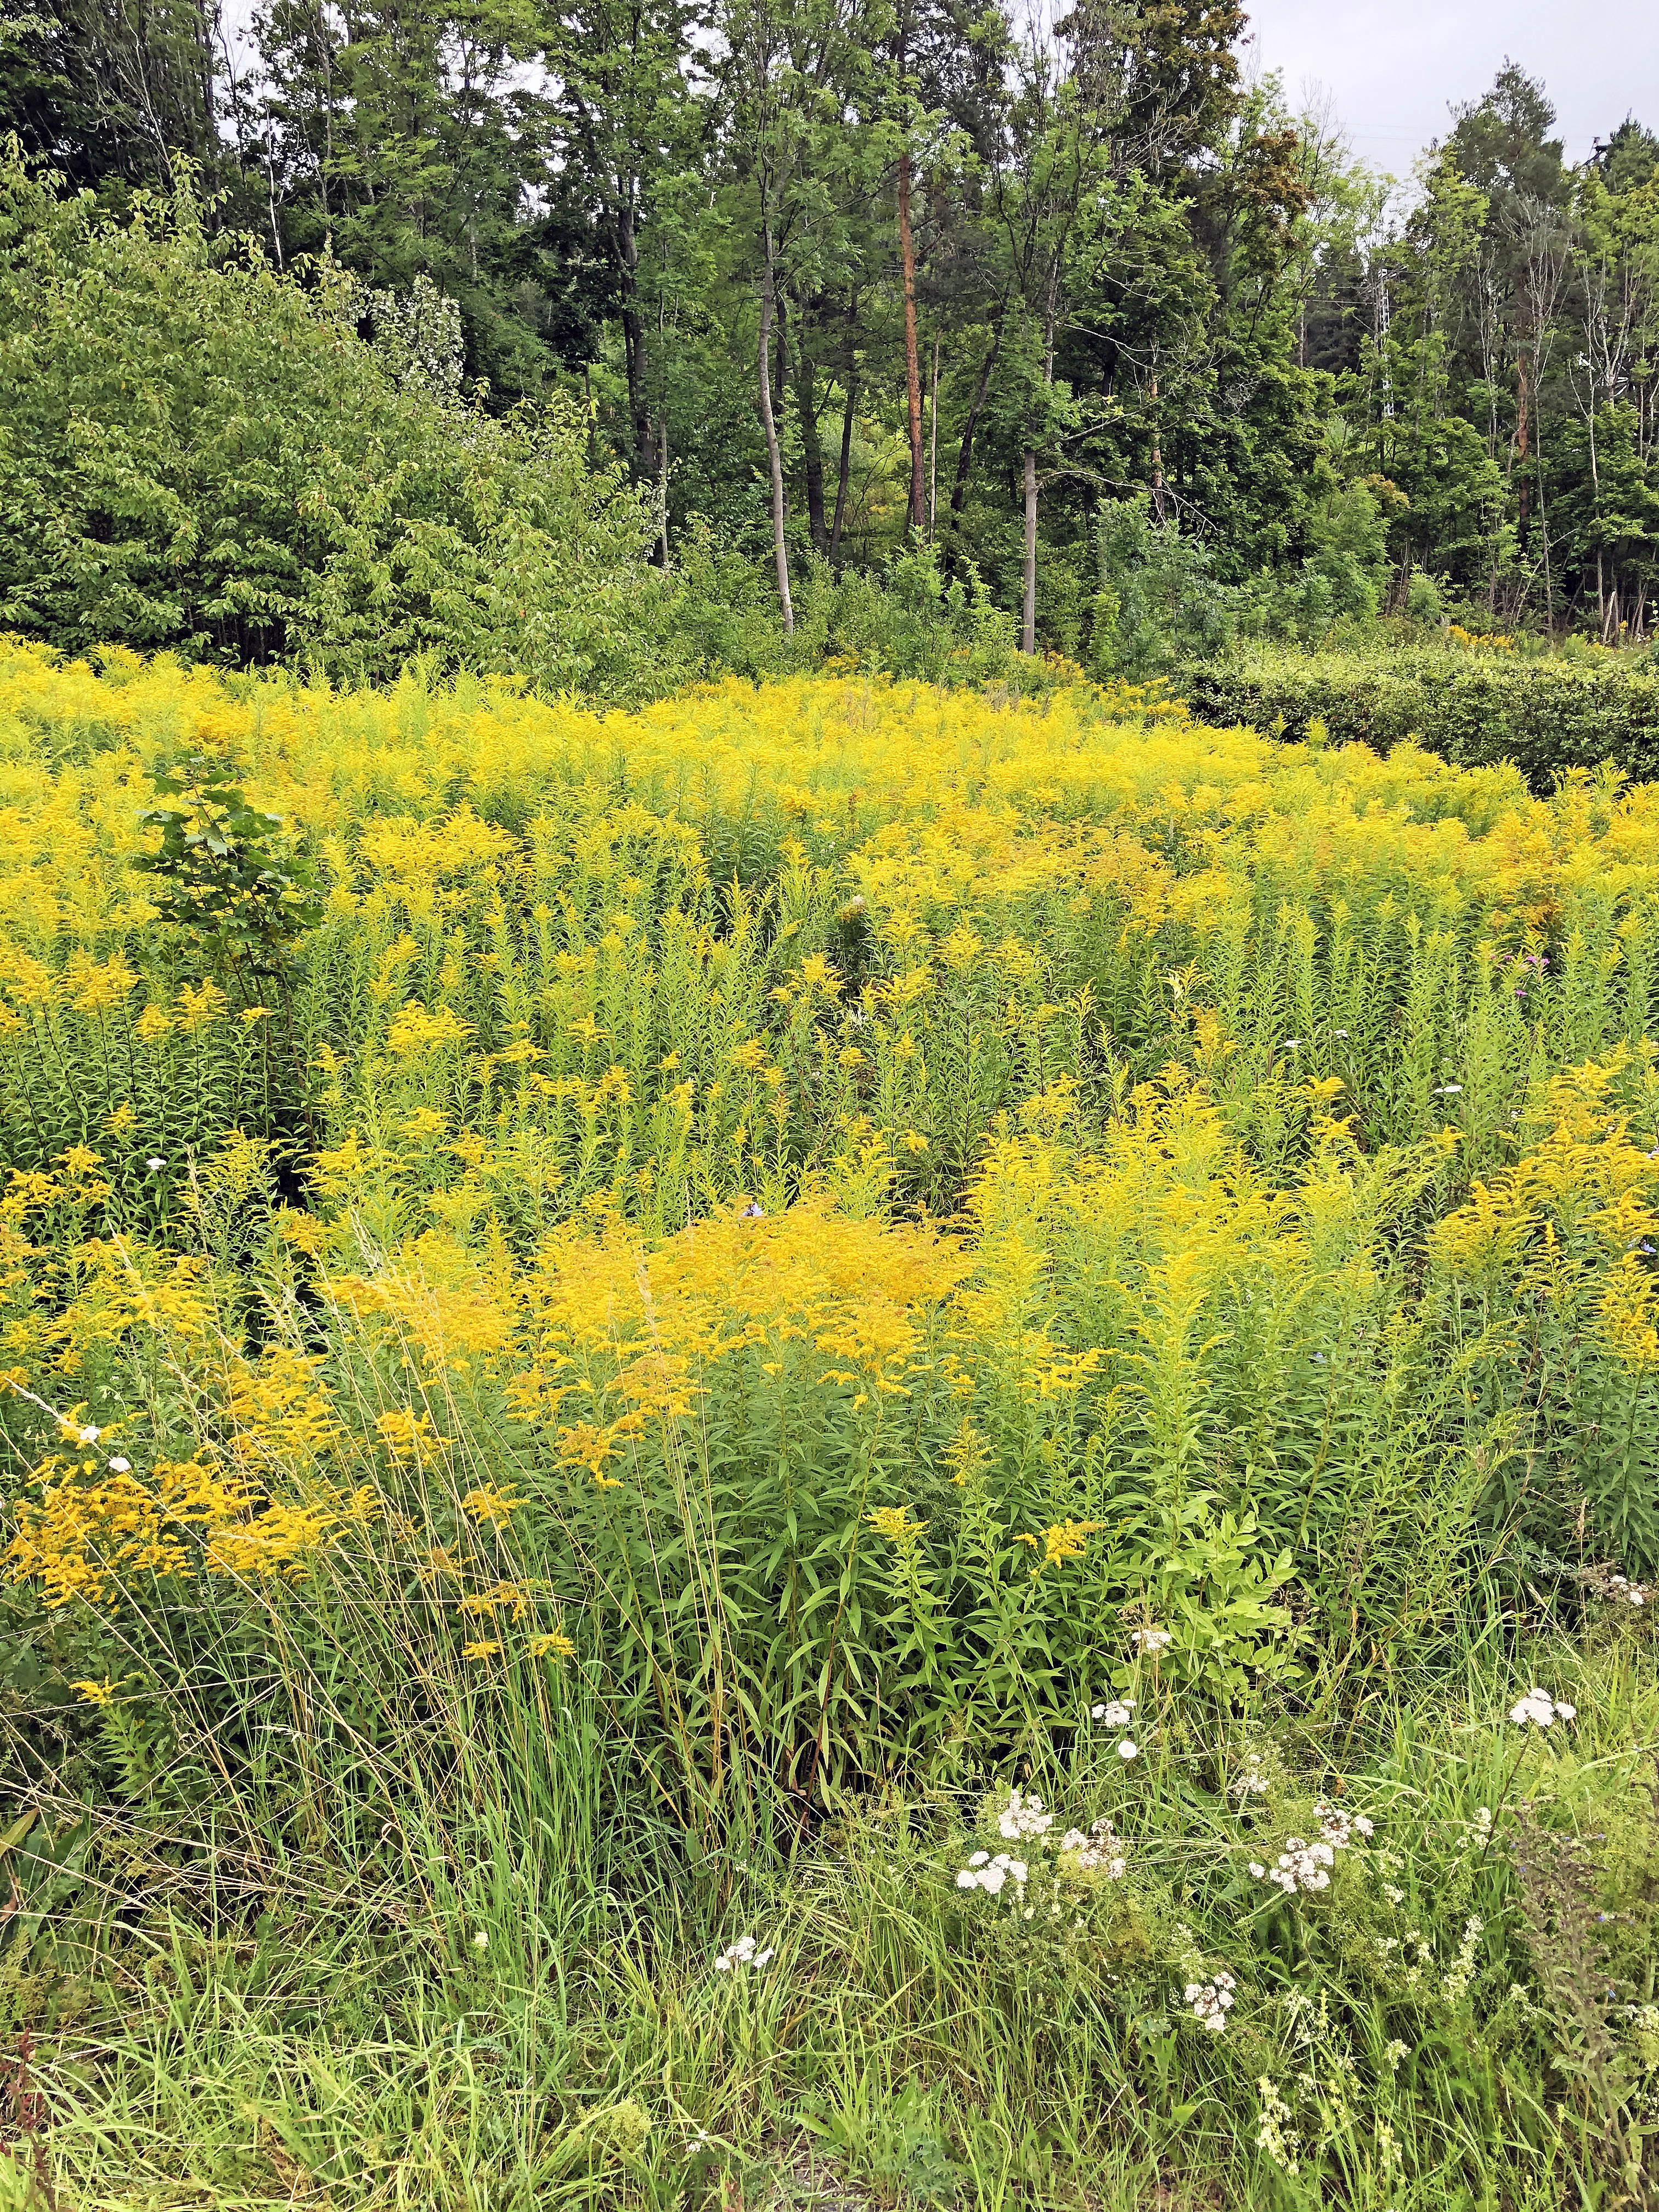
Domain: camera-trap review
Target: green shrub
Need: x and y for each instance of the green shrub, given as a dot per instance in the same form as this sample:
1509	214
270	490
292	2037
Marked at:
1546	713
201	455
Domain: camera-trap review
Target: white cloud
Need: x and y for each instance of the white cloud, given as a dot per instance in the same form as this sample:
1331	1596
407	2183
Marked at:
1393	69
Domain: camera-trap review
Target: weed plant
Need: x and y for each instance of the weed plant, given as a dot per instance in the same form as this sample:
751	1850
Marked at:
880	1441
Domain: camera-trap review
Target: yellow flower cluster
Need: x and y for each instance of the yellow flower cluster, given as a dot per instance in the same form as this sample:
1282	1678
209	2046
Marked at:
91	1529
710	1101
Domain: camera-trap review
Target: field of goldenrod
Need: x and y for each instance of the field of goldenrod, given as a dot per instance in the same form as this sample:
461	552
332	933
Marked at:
833	1238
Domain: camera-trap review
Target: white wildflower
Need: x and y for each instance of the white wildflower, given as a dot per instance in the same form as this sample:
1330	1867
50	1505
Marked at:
1388	2152
88	1436
1454	1982
1128	1748
1302	1865
481	1941
1338	1827
1023	1817
1251	1782
746	1952
1149	1641
1211	2001
1539	1710
991	1874
1275	2134
1115	1713
155	1166
120	1466
1096	1851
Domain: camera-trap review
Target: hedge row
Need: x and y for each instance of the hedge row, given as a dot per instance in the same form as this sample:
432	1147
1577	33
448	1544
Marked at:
1547	714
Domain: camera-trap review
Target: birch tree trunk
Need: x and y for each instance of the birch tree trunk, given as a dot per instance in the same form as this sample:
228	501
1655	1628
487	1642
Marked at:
1028	619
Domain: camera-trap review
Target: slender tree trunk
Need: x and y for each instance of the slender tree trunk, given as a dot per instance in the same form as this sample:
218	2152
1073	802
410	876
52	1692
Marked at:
660	552
1027	623
806	408
1028	618
662	490
635	352
1522	441
325	167
912	360
844	473
965	452
769	426
933	448
1158	461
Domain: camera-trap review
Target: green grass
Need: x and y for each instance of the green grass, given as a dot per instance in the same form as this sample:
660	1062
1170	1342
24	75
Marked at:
535	2018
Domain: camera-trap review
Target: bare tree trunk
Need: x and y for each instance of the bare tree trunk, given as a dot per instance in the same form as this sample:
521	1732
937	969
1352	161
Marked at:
845	470
769	424
660	552
933	448
1028	619
965	452
634	350
1157	461
662	490
1028	624
806	408
911	361
849	385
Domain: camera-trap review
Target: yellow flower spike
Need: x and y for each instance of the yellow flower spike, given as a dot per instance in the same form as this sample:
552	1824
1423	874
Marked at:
95	1693
894	1524
486	1502
552	1644
487	1648
1067	1540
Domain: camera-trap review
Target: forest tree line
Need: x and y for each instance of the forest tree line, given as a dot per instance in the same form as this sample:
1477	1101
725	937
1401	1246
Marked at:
1090	311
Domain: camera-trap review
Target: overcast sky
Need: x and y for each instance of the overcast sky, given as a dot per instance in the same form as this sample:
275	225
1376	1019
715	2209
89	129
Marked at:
1391	67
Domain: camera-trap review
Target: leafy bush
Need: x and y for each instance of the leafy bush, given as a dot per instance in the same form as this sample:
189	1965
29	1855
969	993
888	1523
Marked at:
200	454
1549	714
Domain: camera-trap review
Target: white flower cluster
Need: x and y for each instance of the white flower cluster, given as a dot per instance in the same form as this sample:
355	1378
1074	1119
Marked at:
1300	1865
1306	1863
1606	1583
1250	1781
1099	1848
1275	2134
1027	1820
989	1874
1539	1710
1115	1713
1338	1828
1211	2001
1022	1818
742	1954
1151	1641
1454	1982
